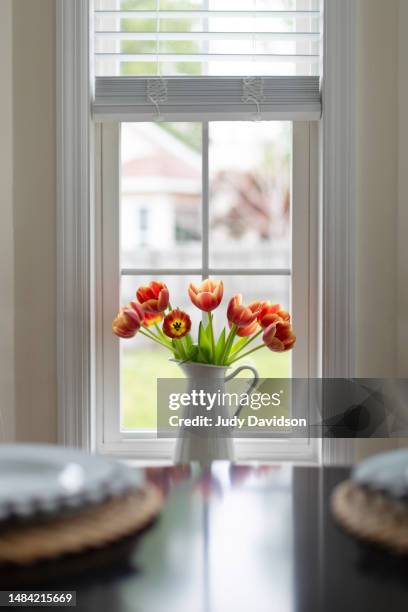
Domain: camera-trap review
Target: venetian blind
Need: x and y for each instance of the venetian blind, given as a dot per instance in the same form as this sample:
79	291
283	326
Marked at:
207	59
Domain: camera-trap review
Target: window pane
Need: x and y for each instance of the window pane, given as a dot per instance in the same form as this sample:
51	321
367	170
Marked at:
160	195
143	361
250	168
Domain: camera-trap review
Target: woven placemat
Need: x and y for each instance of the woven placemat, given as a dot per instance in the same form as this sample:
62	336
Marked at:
90	528
371	516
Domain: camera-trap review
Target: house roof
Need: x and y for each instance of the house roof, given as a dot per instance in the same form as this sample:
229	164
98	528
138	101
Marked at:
150	151
162	164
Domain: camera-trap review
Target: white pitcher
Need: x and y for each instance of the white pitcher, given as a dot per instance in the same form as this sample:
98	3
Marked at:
207	444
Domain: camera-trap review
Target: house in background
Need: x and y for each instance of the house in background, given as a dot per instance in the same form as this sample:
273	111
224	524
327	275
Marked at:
161	197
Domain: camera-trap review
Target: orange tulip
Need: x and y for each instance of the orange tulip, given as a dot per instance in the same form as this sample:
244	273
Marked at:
241	316
128	321
208	295
176	324
154	298
244	332
271	313
279	337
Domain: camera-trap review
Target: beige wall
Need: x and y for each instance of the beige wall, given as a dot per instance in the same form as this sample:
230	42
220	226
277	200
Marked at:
34	218
382	196
376	188
6	227
403	191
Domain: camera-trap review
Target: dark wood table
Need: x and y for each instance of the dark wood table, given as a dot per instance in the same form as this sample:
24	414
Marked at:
239	539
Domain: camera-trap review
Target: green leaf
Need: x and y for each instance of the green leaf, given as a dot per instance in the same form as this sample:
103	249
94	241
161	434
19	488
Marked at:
208	332
176	349
204	343
203	339
202	357
188	342
193	353
219	347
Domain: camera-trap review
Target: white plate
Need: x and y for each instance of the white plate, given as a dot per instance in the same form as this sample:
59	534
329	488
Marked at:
387	472
47	479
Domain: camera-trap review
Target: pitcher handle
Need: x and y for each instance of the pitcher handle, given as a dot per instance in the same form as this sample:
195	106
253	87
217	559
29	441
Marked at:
252	384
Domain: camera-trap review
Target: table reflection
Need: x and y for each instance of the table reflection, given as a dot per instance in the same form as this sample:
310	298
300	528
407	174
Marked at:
243	552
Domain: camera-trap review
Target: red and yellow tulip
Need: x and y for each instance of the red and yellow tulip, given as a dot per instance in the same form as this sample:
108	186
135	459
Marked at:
270	313
176	324
253	327
128	321
239	315
208	295
154	298
279	337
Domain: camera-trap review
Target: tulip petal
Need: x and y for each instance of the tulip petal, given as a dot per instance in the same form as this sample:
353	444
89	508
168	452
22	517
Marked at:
244	332
276	345
163	300
138	309
269	334
206	301
290	343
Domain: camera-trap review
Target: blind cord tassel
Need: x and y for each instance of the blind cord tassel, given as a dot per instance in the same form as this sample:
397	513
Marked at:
252	93
157	94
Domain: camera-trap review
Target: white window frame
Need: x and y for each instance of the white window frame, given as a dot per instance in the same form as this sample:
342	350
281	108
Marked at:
303	273
77	275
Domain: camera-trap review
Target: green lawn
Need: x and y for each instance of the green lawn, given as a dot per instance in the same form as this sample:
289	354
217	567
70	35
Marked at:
141	368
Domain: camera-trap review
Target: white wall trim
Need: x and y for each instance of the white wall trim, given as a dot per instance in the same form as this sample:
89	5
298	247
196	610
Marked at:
7	322
339	203
73	223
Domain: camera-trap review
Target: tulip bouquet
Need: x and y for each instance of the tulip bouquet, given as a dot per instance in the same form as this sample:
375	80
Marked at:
152	316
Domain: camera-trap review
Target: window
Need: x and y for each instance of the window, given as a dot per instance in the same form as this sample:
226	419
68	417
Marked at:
283	94
205	166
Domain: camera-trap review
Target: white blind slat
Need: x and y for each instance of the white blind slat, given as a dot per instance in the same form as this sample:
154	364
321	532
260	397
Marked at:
206	14
286	36
200	57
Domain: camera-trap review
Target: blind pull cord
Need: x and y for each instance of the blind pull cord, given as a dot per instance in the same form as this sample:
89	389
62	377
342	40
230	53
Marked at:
157	94
252	93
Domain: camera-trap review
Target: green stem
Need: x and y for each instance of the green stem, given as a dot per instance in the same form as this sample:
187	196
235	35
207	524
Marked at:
154	338
248	353
228	343
152	335
249	342
162	335
210	322
159	331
